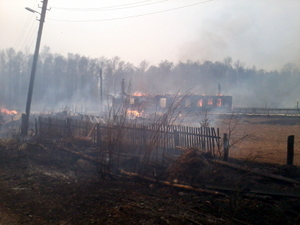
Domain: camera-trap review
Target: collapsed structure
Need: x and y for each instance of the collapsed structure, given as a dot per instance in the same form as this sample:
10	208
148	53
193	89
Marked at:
190	102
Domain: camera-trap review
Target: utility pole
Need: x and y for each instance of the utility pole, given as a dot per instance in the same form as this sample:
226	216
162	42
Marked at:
25	118
101	89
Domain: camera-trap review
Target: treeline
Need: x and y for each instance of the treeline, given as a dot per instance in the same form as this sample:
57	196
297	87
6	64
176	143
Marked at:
75	80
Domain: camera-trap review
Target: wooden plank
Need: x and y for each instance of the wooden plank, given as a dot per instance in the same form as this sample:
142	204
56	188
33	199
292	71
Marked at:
209	138
246	169
198	138
173	185
187	129
218	141
91	131
195	137
204	138
213	133
185	137
201	138
192	136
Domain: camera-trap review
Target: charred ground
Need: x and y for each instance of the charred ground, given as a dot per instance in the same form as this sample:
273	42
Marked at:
42	185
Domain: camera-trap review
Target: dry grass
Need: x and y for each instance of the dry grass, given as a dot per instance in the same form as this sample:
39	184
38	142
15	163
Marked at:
270	138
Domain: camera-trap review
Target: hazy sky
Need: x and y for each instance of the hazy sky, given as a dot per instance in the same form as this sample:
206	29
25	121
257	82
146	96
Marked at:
264	33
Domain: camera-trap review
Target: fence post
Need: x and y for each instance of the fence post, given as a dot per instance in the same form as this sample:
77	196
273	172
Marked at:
176	138
226	147
203	138
290	150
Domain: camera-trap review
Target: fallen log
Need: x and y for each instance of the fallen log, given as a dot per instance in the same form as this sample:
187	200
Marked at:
81	155
167	183
260	192
82	141
91	131
266	193
264	174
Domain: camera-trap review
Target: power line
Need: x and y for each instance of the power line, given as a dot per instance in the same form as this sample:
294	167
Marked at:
21	35
30	34
129	5
32	39
133	16
25	118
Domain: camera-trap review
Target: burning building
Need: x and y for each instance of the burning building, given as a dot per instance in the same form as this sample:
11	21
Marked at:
208	102
191	103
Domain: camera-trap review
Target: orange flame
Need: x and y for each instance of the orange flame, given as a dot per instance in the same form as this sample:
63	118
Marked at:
200	103
9	112
137	93
134	113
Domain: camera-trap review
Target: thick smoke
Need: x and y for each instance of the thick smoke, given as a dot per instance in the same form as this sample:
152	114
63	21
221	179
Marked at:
261	33
74	81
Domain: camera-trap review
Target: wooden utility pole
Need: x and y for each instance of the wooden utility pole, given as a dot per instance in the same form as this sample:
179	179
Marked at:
25	121
101	90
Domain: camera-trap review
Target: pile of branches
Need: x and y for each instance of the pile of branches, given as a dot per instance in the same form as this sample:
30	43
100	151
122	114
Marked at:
189	166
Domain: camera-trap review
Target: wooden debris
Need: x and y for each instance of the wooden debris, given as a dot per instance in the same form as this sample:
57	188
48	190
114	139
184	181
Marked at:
246	169
187	187
83	141
189	166
81	155
91	131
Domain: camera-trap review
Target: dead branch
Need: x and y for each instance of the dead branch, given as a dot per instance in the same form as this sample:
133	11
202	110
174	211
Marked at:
246	169
91	131
79	154
182	186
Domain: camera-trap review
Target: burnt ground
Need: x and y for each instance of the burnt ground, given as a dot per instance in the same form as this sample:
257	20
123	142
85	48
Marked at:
40	185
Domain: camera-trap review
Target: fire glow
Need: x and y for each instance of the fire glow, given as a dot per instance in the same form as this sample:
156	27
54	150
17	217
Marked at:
137	93
8	112
134	113
200	103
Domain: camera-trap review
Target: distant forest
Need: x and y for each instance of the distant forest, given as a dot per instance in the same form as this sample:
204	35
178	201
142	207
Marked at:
75	80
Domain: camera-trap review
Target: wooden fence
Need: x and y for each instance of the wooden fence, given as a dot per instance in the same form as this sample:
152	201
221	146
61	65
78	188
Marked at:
171	136
115	142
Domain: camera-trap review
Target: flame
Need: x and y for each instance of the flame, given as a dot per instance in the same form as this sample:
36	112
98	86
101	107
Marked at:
134	113
8	112
209	101
137	93
219	102
200	104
